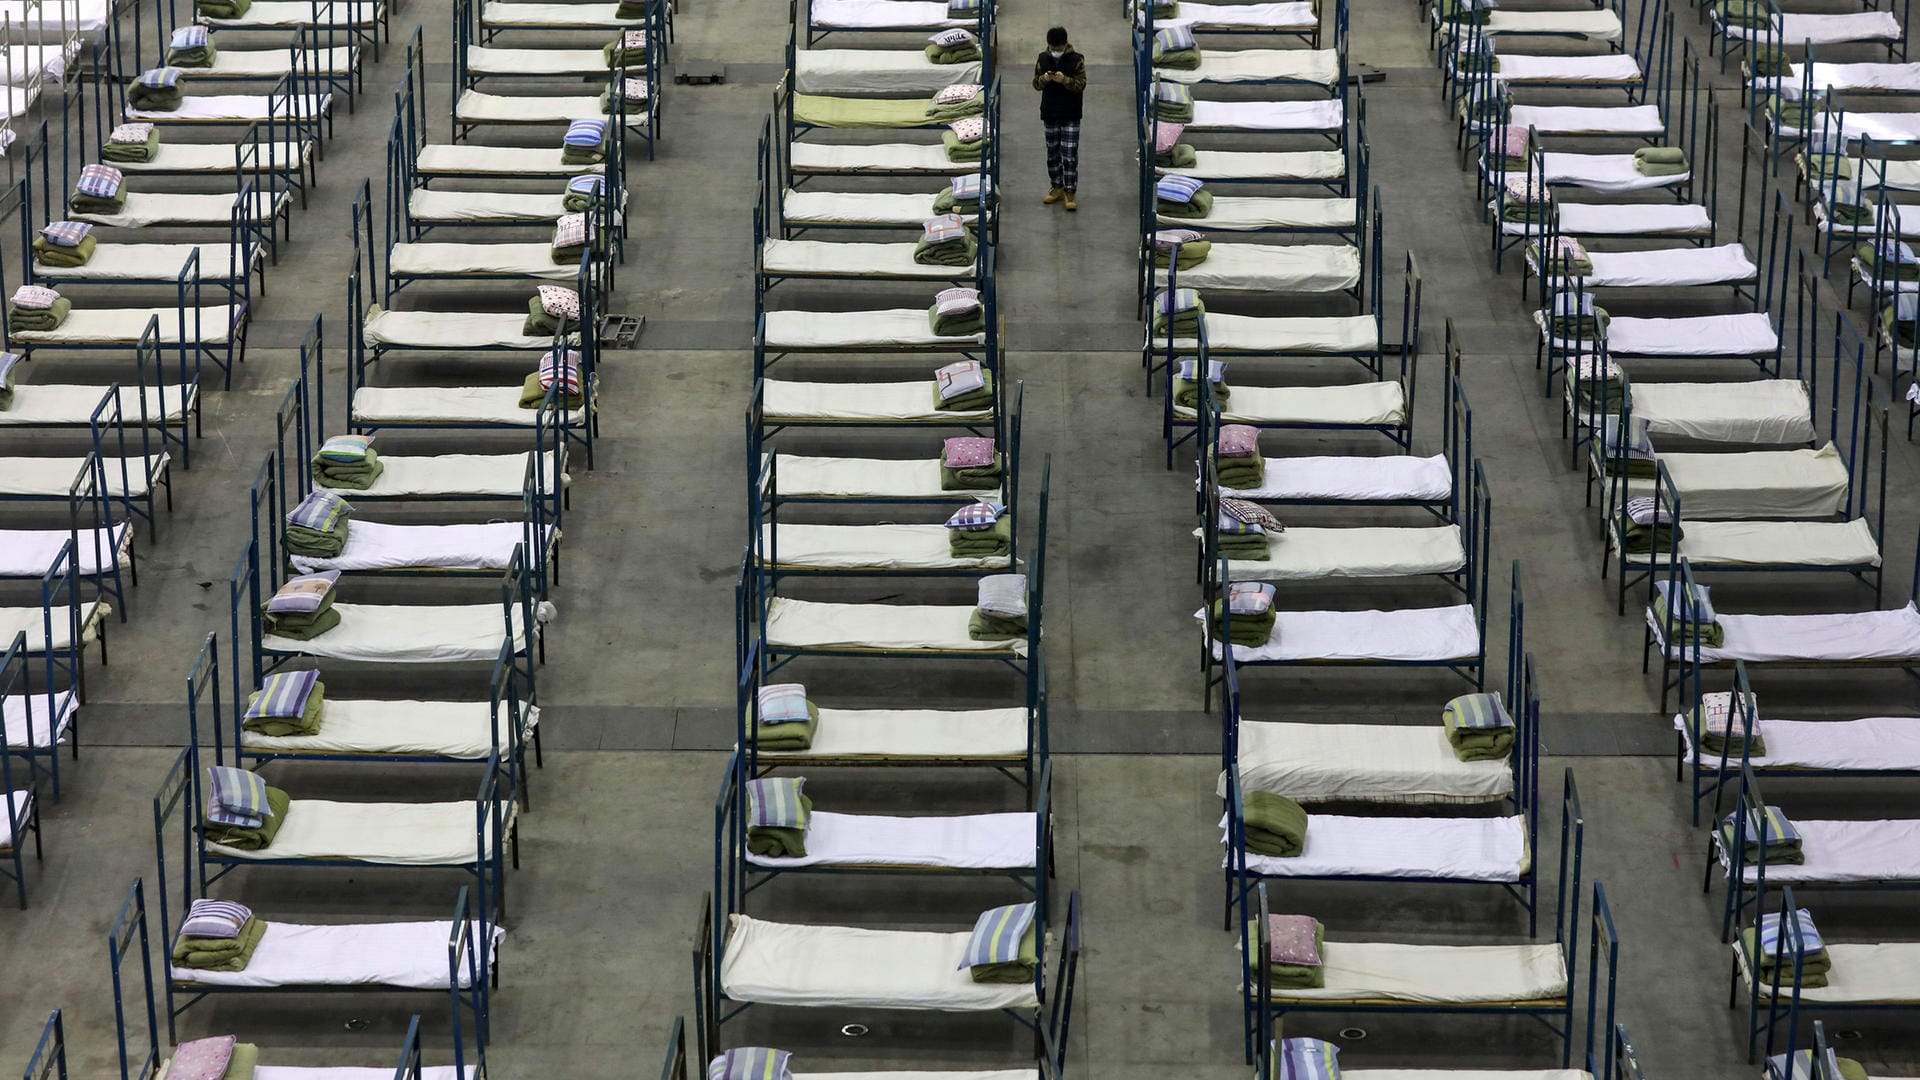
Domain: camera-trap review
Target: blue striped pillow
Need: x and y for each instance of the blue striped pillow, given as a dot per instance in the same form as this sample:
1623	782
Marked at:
996	935
750	1063
283	694
236	797
221	919
784	703
775	803
320	511
1305	1059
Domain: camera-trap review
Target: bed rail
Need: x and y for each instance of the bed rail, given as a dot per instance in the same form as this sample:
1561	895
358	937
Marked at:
22	816
128	940
49	1058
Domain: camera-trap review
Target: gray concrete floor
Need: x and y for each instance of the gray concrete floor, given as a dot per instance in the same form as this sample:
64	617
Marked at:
619	849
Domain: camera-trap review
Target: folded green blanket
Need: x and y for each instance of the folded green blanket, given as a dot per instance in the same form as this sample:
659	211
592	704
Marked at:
576	202
1192	254
1814	967
1748	14
1176	59
1785	852
985	477
42	320
1900	331
959	110
1241	473
984	627
1577	268
1198	207
1730	743
570	255
1293	976
82	203
1765	60
630	9
946	253
1659	168
153	98
945	203
959	54
1179	156
1523	212
1792	113
49	254
964	151
586	155
220	954
1475	743
307	723
136	152
354	477
1864	252
1647	539
1246	547
315	543
1019	970
797	735
982	543
617	57
222	9
1666	155
200	56
1186	393
1249	630
1710	636
973	401
1582	327
772	843
1185	323
1275	824
539	323
974	322
304	628
243	839
532	394
1173	112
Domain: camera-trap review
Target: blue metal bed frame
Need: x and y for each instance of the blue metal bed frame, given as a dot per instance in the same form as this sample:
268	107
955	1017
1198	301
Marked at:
49	1058
21	817
1347	93
1652	51
1148	131
714	1008
778	180
1021	770
1445	21
410	109
796	129
1260	1015
1783	1000
1354	233
766	213
1143	21
1886	232
1773	39
413	1057
489	30
300	99
1143	41
816	32
320	36
88	497
985	352
464	80
1370	249
595	269
469	33
59	593
989	426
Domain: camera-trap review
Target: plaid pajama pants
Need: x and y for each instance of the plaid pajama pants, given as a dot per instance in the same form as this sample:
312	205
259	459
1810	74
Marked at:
1063	154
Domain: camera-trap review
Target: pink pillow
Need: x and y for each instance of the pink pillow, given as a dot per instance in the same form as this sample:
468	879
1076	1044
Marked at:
1239	440
1291	940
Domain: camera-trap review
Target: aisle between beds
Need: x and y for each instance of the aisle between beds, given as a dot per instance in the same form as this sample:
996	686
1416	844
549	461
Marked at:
20	805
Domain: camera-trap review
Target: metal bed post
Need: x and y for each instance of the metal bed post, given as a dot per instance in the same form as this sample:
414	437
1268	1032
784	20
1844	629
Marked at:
22	816
131	923
1603	947
49	1058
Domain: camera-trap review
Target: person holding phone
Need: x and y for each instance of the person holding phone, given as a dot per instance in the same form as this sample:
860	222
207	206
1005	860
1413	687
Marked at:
1060	74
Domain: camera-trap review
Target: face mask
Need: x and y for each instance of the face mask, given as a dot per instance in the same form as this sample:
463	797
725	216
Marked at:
1056	53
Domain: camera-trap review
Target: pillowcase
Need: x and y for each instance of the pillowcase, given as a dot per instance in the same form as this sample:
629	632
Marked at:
1250	597
304	594
34	297
953	39
972	129
976	517
560	302
774	803
1172	93
561	369
1216	370
1702	607
585	132
1166	239
202	1058
997	934
1177	189
1174	38
346	449
967	452
99	181
219	919
959	378
1568	305
783	703
970	187
65	233
572	230
131	134
321	511
284	693
1238	440
1774	937
957	93
1004	595
1166	135
1306	1059
1175	301
188	37
160	77
750	1063
1290	941
956	301
1252	513
1477	712
236	797
943	229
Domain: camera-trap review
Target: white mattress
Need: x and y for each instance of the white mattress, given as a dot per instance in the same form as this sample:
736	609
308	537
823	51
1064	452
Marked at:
859	208
469	160
32	620
454	729
1671	267
1760	412
1825	637
379	545
1297	15
1318	66
919	158
1598	25
515	260
492	60
1882	743
791	964
151	262
1797	30
237	108
1312	554
449	330
410	634
31	723
870	547
1604	68
19	99
1880	126
23	62
352	1072
43	406
1254	165
893	734
1352	405
1466	1074
1845	852
889	328
1887	78
1583	119
857	402
867	478
1316	762
962	842
1748	333
444	475
1240	213
1437	974
1300	268
587	16
126	325
1906	222
882	14
1756	484
880	72
21	801
403	955
389	834
480	405
1882	972
26	553
85	16
1389	477
475	107
52	477
1461	848
296	13
433	205
1410	634
1897	175
1774	543
144	209
1635	219
891	628
1609	173
1266	115
338	60
942	1074
839	258
1305	334
175	157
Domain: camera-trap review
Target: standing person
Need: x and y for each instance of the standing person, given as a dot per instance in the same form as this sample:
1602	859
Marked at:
1060	74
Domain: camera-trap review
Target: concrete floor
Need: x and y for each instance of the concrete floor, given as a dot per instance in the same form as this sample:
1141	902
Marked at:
619	848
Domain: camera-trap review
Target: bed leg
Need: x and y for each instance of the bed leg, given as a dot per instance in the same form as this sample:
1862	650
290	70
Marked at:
1706	877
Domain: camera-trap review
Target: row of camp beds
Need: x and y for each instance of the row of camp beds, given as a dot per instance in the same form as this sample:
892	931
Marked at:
48	1061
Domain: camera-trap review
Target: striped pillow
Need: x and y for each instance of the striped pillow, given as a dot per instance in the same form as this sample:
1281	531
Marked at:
215	919
1004	595
1250	598
347	449
1774	938
188	37
1166	239
750	1063
1172	93
304	594
783	703
1306	1059
585	132
160	77
283	694
588	185
1251	513
775	803
235	797
560	370
1177	189
99	181
65	233
8	361
1175	301
1476	712
996	935
1174	38
321	511
1767	827
34	297
956	301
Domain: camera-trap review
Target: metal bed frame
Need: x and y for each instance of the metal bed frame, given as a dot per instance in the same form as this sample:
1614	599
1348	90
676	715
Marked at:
796	129
1147	132
777	179
468	34
1652	53
1772	37
595	268
31	35
1143	35
1370	249
765	214
1143	20
989	426
108	443
816	32
89	500
1783	1000
493	28
1349	95
234	282
411	109
464	81
312	49
302	98
49	1058
1354	233
986	352
24	816
59	596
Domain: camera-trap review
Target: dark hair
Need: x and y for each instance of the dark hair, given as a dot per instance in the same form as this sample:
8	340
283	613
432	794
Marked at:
1057	36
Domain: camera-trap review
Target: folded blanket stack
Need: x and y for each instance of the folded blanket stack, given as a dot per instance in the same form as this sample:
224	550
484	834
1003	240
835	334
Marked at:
966	140
317	528
1175	48
981	530
777	813
1000	611
1660	161
969	463
1598	384
1186	382
302	609
222	9
1650	527
1184	248
1524	200
783	718
1790	110
587	142
1746	14
963	386
1274	824
1293	961
1770	942
1478	727
957	101
1237	463
1723	730
1508	142
583	193
1243	530
156	90
1767	834
1305	1059
557	373
628	10
287	703
1180	309
9	366
958	312
131	143
1892	259
218	1058
629	50
217	935
1168	150
1704	626
572	233
548	307
1004	946
346	461
963	9
969	195
191	47
242	811
1181	197
1248	607
1638	447
1900	318
1172	103
1569	258
101	189
1476	58
64	244
955	46
1575	317
633	92
1837	1068
37	309
944	241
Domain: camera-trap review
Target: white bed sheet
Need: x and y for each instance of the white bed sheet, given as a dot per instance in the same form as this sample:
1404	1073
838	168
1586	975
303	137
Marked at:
1399	763
412	634
404	955
883	15
859	208
1747	333
896	628
894	734
515	260
1585	119
1773	543
1825	637
1295	15
1266	115
1671	267
175	157
385	833
378	545
443	475
960	842
907	328
1798	29
1886	78
235	108
1315	554
879	72
1388	477
814	258
238	63
1298	268
1318	66
568	16
1231	213
1777	484
1255	165
1880	126
31	723
1845	852
487	405
52	477
21	801
45	406
125	325
1885	743
449	330
870	547
1408	634
292	14
467	159
1598	25
148	208
476	107
86	16
1352	405
454	729
1637	219
1437	974
1611	174
1305	334
1602	69
1905	222
1759	412
1881	972
852	159
493	60
23	62
26	553
14	620
868	478
856	402
792	964
426	205
1462	848
151	262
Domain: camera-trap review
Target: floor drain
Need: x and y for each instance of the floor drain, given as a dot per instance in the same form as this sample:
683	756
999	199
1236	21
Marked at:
1352	1034
1846	1034
357	1025
853	1031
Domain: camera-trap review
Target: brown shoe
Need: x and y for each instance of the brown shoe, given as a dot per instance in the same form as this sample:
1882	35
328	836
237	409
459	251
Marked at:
1071	204
1054	195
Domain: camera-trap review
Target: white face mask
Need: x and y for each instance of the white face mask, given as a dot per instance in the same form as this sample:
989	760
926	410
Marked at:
1056	53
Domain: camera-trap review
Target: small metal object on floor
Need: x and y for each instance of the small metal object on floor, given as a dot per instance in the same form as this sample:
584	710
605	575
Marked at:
697	72
621	331
1361	73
